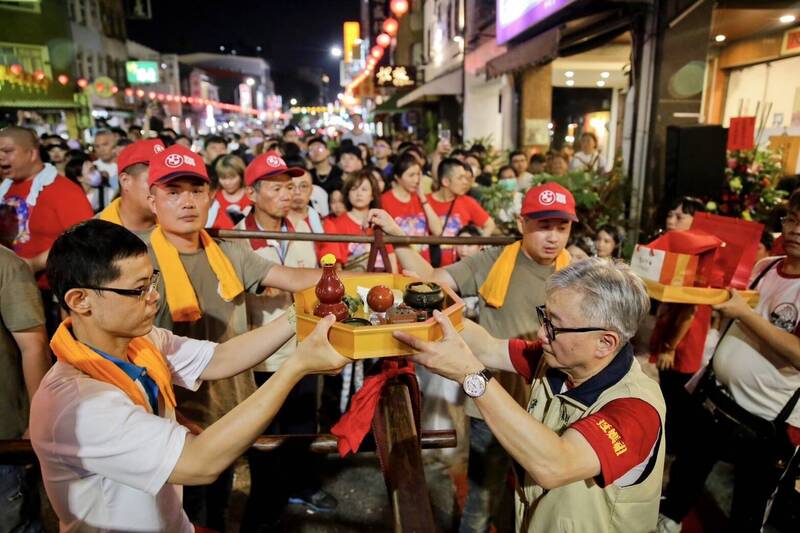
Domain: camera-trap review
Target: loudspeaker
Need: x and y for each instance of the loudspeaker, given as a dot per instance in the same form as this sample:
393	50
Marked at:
695	161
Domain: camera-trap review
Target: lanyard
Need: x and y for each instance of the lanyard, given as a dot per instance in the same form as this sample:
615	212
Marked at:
282	246
136	373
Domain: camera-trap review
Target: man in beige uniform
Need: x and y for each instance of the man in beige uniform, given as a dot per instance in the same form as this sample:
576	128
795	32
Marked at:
589	447
180	200
546	219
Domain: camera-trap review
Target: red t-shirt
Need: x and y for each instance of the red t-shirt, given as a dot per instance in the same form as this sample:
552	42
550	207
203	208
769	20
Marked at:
233	207
466	210
343	251
624	433
688	352
222	220
410	216
59	206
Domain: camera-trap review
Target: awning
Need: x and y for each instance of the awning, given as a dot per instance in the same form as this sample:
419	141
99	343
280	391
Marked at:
537	51
447	84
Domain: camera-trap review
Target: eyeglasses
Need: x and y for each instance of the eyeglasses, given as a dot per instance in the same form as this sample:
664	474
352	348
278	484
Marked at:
789	222
142	293
551	331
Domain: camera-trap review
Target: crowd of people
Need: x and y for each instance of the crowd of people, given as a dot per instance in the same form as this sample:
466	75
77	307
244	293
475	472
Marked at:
106	264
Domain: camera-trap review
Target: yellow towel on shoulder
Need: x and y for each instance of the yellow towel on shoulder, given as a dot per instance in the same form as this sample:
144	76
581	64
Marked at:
111	213
141	352
181	298
495	288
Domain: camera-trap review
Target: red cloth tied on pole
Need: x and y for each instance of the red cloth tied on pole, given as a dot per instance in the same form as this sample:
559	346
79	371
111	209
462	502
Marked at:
354	425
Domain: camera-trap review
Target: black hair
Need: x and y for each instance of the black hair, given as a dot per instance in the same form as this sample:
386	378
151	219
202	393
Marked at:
403	163
349	149
478	148
470	229
538	158
515	153
387	140
289	128
291	150
294	161
504	168
688	205
86	255
181	136
168	132
356	181
168	140
794	201
585	243
74	167
446	167
405	145
119	131
616	233
124	142
767	240
215	139
458	152
319	140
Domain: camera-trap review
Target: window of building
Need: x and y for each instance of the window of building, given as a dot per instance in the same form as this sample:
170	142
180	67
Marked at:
94	17
89	62
81	19
31	58
31	6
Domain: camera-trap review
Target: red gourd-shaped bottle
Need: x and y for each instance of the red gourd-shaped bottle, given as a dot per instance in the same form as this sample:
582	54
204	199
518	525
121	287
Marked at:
330	291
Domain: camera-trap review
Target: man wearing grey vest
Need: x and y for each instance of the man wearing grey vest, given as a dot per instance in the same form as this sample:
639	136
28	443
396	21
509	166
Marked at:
589	448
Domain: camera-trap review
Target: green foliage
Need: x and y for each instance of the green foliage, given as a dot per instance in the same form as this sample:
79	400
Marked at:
751	178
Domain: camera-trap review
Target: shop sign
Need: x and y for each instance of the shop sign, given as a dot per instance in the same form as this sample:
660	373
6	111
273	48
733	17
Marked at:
516	16
141	72
791	42
398	77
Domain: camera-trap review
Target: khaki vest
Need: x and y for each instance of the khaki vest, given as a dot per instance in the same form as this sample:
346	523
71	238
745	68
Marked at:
584	506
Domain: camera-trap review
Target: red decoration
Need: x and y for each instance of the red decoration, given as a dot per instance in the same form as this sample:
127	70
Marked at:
330	291
399	7
390	26
151	95
380	298
100	87
383	40
114	89
741	133
128	92
376	52
16	69
140	93
39	75
83	83
63	79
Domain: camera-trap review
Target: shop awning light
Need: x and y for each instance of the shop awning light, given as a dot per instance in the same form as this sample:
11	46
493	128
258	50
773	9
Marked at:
569	74
601	83
570	83
720	38
787	19
604	75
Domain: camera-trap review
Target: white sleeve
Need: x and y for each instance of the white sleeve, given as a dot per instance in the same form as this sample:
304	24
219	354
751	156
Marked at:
187	358
110	436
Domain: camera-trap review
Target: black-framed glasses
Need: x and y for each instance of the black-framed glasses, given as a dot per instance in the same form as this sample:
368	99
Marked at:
789	222
142	293
551	331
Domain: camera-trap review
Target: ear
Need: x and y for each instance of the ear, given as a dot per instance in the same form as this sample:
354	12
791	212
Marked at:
251	193
78	301
521	224
608	344
151	200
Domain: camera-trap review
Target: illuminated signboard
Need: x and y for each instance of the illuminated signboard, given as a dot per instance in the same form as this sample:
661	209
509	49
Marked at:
516	16
398	77
141	72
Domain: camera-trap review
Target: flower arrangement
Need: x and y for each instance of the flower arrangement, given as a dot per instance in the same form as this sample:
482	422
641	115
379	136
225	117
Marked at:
751	177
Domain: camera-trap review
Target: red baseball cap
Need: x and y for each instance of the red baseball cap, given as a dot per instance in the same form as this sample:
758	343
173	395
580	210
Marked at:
269	165
139	152
549	200
177	161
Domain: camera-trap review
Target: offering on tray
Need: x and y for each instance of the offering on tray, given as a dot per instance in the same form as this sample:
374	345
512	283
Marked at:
401	314
330	291
380	298
423	295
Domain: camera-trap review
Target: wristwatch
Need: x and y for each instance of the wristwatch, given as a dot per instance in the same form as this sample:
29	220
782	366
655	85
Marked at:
475	384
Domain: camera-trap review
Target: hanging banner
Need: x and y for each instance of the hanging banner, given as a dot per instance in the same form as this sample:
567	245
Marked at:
742	133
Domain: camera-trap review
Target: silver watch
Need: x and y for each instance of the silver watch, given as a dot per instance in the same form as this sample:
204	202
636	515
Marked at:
475	384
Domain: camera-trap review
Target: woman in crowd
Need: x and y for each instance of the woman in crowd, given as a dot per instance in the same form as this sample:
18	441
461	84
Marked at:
336	206
80	169
406	201
350	161
231	193
609	241
376	173
587	158
360	195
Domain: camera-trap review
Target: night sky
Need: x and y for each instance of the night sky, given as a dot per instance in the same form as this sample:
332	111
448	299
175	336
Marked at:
291	34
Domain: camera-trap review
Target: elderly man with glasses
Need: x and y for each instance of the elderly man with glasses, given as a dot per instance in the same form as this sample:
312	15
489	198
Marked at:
589	447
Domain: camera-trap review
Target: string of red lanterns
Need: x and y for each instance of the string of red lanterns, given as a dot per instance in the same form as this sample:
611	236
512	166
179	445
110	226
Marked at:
189	100
382	41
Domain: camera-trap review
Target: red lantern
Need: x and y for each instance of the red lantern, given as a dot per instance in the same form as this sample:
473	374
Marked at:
161	97
114	89
39	75
83	83
183	99
169	98
383	40
390	26
151	95
140	93
129	92
399	7
16	69
63	79
376	52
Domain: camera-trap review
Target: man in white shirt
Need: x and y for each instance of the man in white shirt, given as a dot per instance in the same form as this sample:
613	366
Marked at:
104	143
757	363
103	426
358	135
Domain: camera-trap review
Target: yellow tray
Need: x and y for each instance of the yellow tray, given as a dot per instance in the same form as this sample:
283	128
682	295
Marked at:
364	342
694	295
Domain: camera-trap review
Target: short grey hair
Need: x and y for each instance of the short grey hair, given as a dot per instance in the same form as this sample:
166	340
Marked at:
613	296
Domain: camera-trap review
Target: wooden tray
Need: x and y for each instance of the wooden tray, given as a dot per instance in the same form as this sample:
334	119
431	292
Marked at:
694	295
364	342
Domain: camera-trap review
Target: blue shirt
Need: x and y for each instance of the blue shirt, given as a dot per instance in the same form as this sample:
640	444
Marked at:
136	373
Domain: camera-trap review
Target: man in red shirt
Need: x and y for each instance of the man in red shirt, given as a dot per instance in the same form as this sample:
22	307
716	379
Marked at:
455	208
46	203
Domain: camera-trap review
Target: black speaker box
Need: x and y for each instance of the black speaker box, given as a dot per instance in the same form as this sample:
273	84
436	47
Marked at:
695	161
